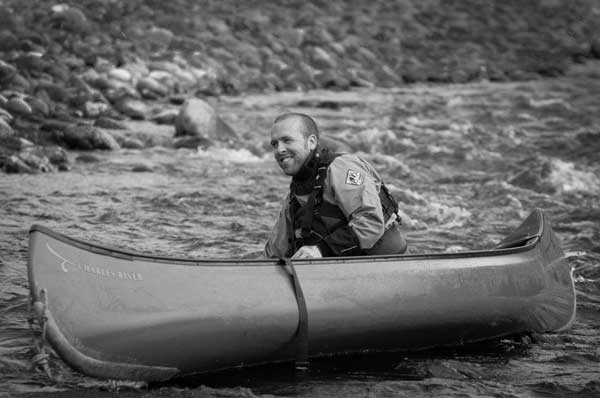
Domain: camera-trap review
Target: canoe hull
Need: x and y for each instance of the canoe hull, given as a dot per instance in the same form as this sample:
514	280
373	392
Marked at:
116	314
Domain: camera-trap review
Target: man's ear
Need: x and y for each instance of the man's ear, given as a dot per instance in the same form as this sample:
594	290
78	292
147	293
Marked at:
312	141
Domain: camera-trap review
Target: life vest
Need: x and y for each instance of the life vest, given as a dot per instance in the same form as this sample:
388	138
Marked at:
316	219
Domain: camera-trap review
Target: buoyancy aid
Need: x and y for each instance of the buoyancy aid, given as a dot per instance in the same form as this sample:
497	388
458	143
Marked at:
317	218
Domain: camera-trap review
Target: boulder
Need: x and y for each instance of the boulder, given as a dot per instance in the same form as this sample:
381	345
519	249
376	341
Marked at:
70	18
196	118
86	137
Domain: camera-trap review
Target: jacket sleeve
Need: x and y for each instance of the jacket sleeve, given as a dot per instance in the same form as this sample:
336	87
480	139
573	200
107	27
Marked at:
279	243
352	185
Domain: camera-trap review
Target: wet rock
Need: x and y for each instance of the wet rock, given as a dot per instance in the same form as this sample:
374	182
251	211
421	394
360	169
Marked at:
108	123
9	145
29	160
132	107
86	137
196	118
15	165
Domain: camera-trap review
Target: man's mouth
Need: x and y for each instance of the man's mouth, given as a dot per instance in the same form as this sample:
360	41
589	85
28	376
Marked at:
285	159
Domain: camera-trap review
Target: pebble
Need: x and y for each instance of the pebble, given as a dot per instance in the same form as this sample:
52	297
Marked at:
7	72
132	107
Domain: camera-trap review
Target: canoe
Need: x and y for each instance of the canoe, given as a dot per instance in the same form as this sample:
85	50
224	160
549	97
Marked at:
116	314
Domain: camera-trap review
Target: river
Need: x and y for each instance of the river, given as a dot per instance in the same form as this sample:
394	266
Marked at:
468	163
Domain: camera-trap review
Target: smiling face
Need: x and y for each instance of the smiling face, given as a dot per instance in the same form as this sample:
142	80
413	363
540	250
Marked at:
290	146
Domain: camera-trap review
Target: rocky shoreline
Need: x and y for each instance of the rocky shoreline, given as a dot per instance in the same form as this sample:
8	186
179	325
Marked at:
73	73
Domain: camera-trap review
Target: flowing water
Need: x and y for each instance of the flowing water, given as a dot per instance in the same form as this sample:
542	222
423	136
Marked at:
467	162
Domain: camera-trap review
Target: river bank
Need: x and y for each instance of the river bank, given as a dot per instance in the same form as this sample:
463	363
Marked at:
72	74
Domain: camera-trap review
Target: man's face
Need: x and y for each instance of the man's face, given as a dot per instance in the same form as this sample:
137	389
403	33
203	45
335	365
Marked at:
290	147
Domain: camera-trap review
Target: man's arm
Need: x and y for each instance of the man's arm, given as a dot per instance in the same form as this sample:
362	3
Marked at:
278	245
352	186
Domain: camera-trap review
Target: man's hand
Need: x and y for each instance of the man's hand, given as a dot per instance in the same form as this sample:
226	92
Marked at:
307	252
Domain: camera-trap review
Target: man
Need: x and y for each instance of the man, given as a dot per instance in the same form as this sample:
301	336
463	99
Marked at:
337	205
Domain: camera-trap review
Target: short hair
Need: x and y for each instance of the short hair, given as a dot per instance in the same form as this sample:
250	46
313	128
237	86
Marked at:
309	124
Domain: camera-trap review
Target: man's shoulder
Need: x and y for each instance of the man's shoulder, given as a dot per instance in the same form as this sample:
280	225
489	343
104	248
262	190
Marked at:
350	169
344	160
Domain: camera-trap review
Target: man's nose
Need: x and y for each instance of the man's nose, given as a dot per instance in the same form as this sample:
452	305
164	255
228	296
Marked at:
279	148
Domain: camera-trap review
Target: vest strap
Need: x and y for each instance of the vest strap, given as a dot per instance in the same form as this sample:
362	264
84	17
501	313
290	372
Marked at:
301	362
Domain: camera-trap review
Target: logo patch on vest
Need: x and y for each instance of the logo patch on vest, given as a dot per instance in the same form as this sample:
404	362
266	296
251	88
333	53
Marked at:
354	177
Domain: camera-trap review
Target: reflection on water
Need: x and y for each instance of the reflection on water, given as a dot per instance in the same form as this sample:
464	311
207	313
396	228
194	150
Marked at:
467	163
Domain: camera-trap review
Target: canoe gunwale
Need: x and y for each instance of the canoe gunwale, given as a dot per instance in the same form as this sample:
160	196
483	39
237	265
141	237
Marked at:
528	244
